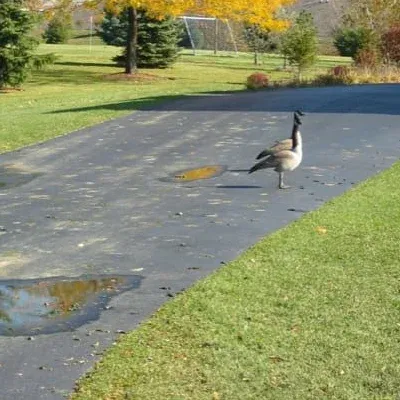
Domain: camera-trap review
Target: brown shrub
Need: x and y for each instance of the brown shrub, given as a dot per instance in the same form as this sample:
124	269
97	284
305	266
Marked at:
367	58
257	80
391	44
340	71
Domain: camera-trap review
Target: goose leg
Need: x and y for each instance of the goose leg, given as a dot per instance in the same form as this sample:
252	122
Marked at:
281	184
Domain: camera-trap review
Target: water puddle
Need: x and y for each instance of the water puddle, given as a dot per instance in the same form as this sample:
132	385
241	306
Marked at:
194	174
13	176
32	307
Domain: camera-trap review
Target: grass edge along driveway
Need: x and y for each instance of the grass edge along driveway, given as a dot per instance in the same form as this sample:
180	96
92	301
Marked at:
310	312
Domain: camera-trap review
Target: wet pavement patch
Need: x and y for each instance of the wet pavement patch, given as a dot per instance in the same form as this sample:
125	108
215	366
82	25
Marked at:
194	174
13	176
42	306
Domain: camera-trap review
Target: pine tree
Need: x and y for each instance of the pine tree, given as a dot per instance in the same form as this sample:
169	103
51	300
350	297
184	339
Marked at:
299	43
59	28
259	40
158	45
16	45
157	39
113	28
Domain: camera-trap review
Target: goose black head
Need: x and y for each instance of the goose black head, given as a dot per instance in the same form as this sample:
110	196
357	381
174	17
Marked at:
297	120
297	115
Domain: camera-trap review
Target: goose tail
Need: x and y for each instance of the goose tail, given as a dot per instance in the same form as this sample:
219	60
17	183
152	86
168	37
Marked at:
253	169
264	153
260	165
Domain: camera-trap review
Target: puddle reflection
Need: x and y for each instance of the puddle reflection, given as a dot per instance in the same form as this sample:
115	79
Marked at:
194	174
54	305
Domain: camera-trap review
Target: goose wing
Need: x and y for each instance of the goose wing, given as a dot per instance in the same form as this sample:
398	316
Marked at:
285	144
276	160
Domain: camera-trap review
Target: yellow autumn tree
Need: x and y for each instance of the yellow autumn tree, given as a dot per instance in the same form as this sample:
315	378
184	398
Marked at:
260	12
33	5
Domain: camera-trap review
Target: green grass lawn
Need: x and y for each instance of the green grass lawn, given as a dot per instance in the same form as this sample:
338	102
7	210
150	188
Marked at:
76	91
310	312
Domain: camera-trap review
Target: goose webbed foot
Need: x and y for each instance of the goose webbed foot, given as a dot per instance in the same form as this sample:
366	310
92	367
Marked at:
284	186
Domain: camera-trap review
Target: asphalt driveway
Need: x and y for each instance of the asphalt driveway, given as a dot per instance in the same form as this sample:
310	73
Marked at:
97	202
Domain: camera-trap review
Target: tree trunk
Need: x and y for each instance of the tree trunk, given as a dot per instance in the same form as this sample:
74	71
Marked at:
216	36
299	74
131	46
256	57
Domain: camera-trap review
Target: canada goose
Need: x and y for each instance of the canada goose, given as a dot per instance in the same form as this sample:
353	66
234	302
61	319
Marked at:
285	144
284	160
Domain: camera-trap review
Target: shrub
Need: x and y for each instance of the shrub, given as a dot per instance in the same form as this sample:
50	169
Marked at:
349	41
358	75
382	74
257	80
391	44
339	75
58	30
326	80
331	79
40	61
340	71
367	58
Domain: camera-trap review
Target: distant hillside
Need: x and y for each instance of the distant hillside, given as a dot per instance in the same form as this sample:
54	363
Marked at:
326	15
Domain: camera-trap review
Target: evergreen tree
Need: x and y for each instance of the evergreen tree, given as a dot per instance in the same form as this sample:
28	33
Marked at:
158	44
113	29
259	40
59	28
299	43
16	45
157	39
349	41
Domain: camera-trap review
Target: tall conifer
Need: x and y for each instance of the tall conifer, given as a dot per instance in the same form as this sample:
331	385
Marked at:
16	44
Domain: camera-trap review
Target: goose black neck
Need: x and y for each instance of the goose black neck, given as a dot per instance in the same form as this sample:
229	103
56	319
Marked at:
294	134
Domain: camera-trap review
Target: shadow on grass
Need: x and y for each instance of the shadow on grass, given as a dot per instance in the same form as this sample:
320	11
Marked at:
87	35
73	77
358	99
148	103
86	64
239	67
